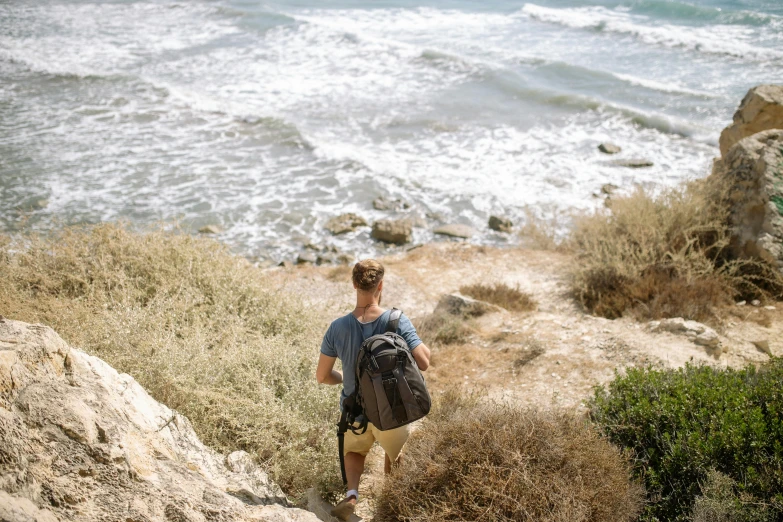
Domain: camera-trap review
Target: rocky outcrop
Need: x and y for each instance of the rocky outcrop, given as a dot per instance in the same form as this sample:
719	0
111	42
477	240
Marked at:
80	441
761	109
750	179
634	163
609	148
384	203
700	334
395	231
345	223
458	304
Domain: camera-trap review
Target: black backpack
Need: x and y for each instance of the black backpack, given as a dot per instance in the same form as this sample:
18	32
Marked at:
390	391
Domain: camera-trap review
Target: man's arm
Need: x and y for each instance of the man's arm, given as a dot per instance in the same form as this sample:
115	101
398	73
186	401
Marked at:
421	354
325	372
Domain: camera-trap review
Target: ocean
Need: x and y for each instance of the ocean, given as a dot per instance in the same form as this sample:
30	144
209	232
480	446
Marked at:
268	118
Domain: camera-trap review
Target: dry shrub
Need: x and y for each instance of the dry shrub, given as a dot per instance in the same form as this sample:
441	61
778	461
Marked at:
478	461
543	233
510	298
662	256
201	329
443	328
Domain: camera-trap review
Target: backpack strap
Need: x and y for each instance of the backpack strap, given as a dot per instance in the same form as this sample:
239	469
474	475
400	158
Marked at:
394	320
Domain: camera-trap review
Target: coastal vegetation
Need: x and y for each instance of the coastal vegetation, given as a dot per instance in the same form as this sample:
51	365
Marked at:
706	441
477	460
200	328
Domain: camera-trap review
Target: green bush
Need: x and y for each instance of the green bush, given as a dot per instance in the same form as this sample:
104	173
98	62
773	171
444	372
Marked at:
683	423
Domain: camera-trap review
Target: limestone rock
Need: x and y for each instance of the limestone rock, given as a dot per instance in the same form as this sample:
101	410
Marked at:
460	231
634	163
750	179
345	223
384	203
306	258
458	304
763	346
396	231
82	442
500	224
699	333
210	229
761	109
609	148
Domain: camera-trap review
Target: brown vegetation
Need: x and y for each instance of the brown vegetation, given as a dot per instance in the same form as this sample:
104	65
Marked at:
202	330
662	256
444	328
510	298
477	461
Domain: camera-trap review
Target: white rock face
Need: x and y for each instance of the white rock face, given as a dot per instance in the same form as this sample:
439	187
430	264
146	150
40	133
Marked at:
80	441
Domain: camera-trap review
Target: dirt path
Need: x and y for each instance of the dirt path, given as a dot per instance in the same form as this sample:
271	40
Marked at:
553	356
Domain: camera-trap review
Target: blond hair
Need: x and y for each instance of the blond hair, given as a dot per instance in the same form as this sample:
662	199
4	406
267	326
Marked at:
367	275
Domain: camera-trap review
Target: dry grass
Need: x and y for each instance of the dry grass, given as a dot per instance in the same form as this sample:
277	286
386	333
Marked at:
662	256
442	328
510	298
199	328
477	461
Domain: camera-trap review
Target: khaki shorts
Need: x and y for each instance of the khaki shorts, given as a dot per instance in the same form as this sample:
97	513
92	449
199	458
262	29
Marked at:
391	441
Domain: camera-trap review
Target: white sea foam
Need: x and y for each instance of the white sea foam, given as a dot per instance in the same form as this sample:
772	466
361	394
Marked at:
728	40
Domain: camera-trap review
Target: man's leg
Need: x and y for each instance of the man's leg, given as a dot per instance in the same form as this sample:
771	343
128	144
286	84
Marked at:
354	467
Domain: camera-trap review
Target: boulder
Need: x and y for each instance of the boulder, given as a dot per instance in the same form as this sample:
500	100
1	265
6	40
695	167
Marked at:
458	304
763	346
210	229
634	163
81	441
761	109
395	231
500	224
345	223
749	178
384	203
609	148
306	258
608	189
460	231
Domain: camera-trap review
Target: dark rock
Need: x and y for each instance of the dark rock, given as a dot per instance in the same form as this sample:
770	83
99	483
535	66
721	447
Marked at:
397	231
634	163
609	189
609	148
384	203
460	231
500	224
286	264
345	223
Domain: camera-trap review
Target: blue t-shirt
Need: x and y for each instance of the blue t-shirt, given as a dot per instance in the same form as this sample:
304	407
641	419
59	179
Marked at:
345	336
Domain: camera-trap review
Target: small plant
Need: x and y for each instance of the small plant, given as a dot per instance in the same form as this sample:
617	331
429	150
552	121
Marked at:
682	423
473	460
720	501
444	328
510	298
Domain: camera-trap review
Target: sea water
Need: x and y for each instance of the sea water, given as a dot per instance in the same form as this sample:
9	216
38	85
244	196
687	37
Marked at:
268	118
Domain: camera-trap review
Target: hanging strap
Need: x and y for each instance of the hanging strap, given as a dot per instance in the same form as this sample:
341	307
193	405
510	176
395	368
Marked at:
394	320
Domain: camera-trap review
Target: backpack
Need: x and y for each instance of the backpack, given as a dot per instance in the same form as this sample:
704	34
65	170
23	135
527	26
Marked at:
390	390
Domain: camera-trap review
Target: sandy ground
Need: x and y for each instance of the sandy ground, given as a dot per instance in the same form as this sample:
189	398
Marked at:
553	356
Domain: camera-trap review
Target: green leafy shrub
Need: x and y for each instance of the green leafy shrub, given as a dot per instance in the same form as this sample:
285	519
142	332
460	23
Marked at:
203	330
683	423
473	460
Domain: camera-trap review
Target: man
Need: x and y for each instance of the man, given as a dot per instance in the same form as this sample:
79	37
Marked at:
343	340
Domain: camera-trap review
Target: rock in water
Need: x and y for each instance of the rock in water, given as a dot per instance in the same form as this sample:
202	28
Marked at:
345	223
461	231
393	231
609	148
500	224
761	109
82	442
210	229
306	258
750	179
635	163
384	203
